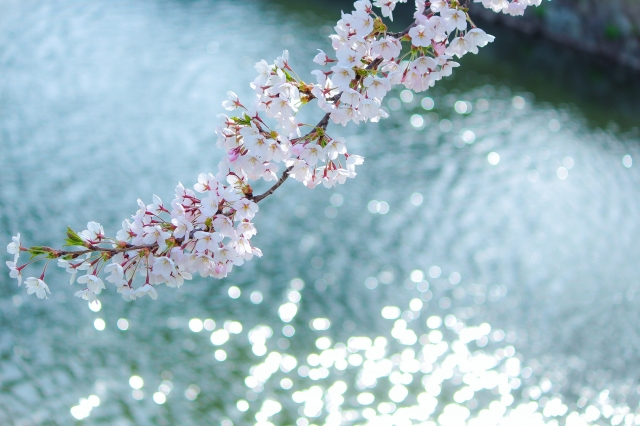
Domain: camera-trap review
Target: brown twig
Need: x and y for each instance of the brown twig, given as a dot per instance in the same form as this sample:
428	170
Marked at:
271	190
404	32
114	250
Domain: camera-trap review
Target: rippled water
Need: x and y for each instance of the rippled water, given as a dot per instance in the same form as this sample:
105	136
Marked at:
481	269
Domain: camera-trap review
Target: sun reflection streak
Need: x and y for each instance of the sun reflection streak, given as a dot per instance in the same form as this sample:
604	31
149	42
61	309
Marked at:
447	377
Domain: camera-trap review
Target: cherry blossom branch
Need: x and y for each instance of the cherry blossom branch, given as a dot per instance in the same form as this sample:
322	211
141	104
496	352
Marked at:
207	230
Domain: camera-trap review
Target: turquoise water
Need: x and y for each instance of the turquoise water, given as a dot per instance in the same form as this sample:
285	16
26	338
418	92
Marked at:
499	227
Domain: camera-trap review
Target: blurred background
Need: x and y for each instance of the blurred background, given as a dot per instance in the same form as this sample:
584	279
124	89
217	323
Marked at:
482	268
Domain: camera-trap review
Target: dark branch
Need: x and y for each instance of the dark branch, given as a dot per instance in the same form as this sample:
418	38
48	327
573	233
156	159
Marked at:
404	32
271	190
114	250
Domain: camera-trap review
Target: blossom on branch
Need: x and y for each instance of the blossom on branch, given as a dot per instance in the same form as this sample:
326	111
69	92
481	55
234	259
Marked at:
208	230
38	287
14	247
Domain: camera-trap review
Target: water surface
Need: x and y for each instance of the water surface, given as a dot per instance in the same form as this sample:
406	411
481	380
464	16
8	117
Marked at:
482	267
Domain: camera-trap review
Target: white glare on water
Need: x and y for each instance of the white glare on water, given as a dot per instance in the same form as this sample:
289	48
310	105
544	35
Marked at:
434	272
95	306
159	398
427	103
461	107
493	158
196	325
562	173
136	382
390	312
256	297
417	275
99	324
287	311
219	337
234	292
320	324
209	324
518	102
406	96
123	324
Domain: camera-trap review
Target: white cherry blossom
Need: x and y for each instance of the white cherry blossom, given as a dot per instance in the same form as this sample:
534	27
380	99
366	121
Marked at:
479	37
245	209
183	227
147	289
14	247
460	46
321	58
207	241
38	287
454	19
92	282
14	272
387	48
377	87
164	266
335	147
342	76
348	57
439	5
94	232
421	36
157	236
87	295
117	273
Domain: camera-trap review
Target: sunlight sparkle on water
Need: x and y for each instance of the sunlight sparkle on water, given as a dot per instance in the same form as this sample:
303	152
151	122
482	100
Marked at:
136	382
196	325
99	324
123	324
320	324
416	198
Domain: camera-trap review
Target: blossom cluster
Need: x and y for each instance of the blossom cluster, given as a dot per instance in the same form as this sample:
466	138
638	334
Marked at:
207	230
513	7
255	150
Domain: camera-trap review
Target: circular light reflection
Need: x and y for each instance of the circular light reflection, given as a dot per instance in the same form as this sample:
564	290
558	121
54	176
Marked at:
234	292
417	121
136	382
493	158
159	398
196	325
123	324
427	103
220	355
99	324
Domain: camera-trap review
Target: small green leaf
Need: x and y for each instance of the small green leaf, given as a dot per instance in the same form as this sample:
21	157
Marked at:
245	120
73	239
289	78
36	251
